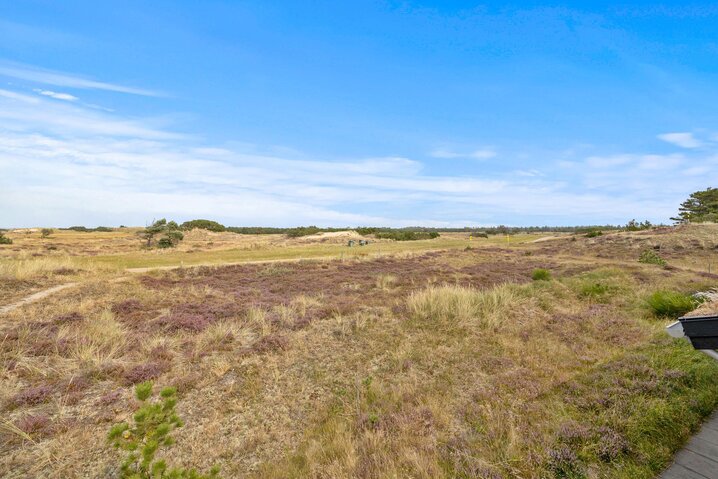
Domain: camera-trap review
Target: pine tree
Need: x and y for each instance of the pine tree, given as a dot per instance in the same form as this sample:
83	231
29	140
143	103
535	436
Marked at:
700	206
152	424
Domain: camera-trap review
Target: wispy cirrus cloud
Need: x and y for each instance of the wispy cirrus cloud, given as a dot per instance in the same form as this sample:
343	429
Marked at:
68	80
56	95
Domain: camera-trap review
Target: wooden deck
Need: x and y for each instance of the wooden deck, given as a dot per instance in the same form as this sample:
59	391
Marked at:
699	458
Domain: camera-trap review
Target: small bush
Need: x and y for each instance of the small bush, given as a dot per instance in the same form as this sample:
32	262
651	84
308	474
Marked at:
671	303
152	425
649	256
593	234
540	274
4	239
46	232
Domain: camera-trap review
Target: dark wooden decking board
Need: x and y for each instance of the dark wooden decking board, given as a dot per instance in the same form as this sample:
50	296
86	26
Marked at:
699	458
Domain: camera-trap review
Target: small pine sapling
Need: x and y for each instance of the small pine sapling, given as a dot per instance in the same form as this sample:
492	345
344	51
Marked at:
152	425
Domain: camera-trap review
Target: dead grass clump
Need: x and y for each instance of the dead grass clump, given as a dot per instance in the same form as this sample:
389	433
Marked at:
462	306
33	395
95	340
385	281
27	267
110	397
271	343
68	318
127	306
34	424
144	372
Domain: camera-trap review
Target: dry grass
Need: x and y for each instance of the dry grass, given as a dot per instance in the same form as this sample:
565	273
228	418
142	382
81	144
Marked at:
458	306
449	364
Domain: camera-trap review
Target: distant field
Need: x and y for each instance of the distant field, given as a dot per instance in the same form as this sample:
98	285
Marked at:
425	359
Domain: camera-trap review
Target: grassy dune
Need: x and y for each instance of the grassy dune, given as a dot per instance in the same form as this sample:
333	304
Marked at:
424	364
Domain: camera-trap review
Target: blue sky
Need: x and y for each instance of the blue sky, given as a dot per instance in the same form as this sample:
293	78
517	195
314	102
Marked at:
354	113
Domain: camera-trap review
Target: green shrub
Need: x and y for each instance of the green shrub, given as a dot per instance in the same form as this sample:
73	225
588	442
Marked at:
540	274
4	239
150	431
670	304
204	225
45	232
593	234
649	256
634	225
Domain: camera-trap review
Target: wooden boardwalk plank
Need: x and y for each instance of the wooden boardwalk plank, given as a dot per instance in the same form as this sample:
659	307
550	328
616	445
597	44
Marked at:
699	458
676	471
697	463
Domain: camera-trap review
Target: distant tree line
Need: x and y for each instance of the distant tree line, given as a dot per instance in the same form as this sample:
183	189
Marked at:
89	230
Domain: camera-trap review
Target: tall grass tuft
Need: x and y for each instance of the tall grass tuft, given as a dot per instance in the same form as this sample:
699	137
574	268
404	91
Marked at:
462	306
670	304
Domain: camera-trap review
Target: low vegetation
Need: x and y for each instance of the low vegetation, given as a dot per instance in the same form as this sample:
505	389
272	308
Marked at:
541	274
406	235
671	304
150	432
4	239
651	257
634	225
393	360
83	229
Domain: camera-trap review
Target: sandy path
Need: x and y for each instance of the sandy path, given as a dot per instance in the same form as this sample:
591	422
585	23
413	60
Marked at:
35	297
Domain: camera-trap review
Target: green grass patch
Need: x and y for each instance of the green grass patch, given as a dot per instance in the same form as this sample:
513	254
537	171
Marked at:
630	415
541	274
600	285
651	257
670	304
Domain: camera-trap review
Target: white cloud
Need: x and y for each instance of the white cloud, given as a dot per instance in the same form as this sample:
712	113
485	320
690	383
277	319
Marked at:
19	112
64	164
483	154
480	154
56	95
684	140
49	77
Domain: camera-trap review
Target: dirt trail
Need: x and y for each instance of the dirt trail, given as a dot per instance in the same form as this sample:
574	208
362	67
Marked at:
35	297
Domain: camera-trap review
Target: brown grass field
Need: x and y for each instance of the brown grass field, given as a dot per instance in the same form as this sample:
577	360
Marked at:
305	358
